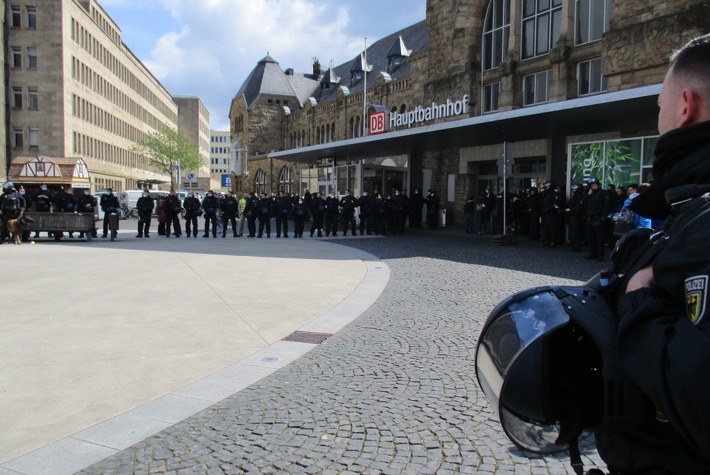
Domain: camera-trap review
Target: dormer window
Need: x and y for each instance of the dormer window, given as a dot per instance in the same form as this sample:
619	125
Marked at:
396	55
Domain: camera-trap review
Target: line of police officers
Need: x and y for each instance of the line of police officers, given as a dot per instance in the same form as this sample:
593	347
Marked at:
378	215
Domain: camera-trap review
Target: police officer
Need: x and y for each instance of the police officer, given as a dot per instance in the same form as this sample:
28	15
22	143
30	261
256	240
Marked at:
317	209
86	204
265	210
193	210
251	211
242	212
398	212
64	202
173	207
348	203
575	211
597	212
12	204
44	200
109	205
432	209
283	207
210	204
662	344
417	205
230	208
533	207
332	210
145	206
363	204
300	215
380	213
551	208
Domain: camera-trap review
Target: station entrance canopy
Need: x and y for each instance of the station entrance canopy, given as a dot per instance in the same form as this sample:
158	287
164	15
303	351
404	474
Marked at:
600	113
65	171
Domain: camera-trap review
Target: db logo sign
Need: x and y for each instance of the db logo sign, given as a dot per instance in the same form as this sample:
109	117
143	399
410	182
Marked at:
377	123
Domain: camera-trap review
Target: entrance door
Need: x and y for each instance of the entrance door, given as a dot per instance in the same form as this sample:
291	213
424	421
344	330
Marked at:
326	180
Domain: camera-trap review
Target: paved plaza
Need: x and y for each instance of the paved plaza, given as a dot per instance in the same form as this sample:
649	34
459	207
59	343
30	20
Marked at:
392	392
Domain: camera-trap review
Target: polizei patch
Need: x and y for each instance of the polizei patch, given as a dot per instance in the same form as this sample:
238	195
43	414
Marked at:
696	293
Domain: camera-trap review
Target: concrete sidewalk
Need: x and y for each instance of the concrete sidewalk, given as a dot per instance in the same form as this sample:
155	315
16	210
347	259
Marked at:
105	343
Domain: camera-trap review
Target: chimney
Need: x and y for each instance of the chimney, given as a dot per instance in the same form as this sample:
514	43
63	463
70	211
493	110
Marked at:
316	68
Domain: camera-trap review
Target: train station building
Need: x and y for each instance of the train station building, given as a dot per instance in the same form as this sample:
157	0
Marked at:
567	87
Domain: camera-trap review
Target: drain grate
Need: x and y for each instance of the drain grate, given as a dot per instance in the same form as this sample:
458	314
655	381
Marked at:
308	337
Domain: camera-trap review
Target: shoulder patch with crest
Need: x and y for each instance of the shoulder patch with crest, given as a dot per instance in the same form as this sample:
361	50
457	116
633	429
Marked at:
696	292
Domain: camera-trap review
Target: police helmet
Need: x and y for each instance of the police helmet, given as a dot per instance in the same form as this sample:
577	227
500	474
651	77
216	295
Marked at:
8	185
539	361
547	184
576	186
591	181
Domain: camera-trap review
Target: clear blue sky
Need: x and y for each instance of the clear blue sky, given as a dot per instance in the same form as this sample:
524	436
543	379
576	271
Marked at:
207	48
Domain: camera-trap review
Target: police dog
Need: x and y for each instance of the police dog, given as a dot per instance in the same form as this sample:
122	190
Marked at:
15	226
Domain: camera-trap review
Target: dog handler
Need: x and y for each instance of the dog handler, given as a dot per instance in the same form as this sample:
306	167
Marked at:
12	204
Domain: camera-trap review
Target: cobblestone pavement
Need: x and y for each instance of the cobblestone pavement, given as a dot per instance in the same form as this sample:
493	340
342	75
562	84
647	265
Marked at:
394	392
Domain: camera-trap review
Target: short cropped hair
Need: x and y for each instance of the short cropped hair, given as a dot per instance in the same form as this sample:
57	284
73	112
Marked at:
693	59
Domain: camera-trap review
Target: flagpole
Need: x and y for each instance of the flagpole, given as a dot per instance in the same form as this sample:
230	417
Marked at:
364	94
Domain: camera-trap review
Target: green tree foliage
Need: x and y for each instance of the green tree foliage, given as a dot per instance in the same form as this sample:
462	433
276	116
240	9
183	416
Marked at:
168	148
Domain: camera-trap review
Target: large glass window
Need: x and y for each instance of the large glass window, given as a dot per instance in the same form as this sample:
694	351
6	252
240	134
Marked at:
541	26
495	33
617	162
590	79
592	18
491	93
536	87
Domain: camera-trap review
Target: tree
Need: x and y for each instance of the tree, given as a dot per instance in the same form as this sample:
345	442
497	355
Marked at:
168	149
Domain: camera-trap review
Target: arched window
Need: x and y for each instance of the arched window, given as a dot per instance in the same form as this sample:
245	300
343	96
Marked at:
260	182
286	179
332	132
541	26
495	33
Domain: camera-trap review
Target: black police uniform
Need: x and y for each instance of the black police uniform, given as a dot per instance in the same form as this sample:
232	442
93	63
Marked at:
265	210
283	209
172	212
230	209
192	212
317	208
551	209
432	210
300	215
363	203
145	206
86	204
11	204
348	203
577	207
597	212
663	339
251	212
332	209
109	204
210	205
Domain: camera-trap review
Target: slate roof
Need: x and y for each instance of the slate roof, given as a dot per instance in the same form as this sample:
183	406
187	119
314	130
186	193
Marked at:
268	77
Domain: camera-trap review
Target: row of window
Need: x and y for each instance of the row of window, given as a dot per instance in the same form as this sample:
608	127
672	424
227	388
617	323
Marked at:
83	38
541	26
222	150
95	115
18	138
219	161
87	146
94	81
16	57
285	182
590	80
30	17
219	139
18	98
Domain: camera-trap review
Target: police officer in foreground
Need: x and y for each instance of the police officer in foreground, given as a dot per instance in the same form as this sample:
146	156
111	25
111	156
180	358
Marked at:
283	205
317	209
348	203
576	207
597	212
265	210
663	338
192	207
332	211
173	208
